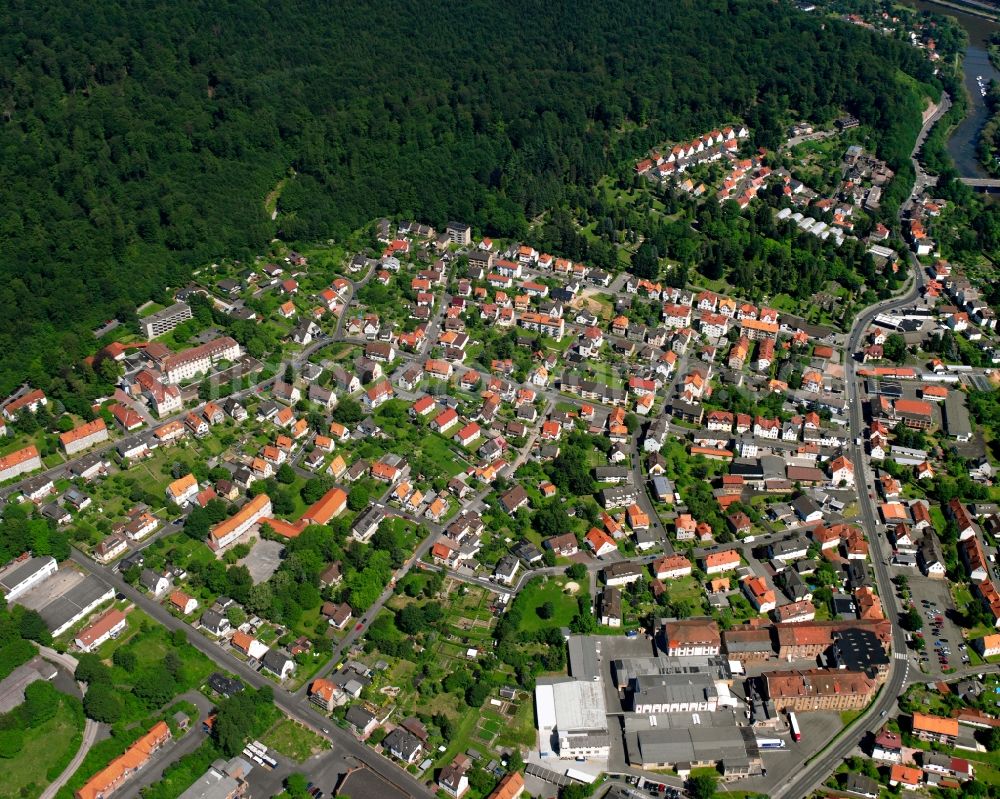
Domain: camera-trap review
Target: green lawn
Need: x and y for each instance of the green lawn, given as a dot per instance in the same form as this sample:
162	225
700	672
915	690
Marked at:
461	736
436	448
47	748
848	716
293	740
684	588
987	774
937	517
520	728
962	595
537	593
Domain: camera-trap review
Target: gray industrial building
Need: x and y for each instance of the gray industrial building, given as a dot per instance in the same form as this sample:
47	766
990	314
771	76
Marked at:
692	740
956	416
222	780
676	693
584	658
64	597
624	670
572	719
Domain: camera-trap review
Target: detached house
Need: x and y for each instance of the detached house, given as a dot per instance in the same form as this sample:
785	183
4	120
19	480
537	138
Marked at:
842	472
600	542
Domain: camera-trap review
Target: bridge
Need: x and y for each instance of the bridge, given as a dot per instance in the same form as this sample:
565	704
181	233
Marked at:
982	184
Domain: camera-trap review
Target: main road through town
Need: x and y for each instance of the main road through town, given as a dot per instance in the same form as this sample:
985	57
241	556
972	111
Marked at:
817	770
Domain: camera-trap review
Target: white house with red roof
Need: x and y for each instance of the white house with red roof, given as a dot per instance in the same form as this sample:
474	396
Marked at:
842	471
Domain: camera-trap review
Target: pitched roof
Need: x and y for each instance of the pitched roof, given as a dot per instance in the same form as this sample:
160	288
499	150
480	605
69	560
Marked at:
938	725
83	431
182	485
510	786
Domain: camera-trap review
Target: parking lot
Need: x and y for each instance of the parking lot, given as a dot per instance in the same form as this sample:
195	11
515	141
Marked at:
934	602
60	583
323	770
263	560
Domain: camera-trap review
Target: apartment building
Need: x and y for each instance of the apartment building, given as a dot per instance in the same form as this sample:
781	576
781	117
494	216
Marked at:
20	462
228	531
199	360
112	776
84	436
161	322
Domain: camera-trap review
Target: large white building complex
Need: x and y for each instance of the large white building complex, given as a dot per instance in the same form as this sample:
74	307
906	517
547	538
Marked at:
199	360
572	719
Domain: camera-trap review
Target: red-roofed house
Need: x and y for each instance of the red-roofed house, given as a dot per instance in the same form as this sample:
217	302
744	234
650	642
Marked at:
600	542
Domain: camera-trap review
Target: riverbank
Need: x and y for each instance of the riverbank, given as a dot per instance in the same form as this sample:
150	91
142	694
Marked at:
989	137
969	7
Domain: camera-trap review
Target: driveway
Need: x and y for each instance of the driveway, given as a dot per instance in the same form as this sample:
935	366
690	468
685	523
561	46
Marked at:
90	730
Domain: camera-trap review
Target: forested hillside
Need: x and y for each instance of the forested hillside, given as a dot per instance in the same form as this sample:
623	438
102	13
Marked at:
139	138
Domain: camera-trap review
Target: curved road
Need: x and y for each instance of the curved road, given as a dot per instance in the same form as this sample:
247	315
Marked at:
90	728
815	772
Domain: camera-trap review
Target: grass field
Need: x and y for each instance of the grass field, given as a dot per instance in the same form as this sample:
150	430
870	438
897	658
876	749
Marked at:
133	621
293	740
684	588
536	594
50	744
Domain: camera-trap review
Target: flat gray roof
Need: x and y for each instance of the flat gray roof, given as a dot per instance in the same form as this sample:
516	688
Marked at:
641	722
579	705
663	688
166	313
583	658
956	415
64	609
16	575
13	685
695	744
627	668
216	782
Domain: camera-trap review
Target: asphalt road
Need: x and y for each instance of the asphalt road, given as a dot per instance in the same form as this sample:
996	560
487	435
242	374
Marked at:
298	707
152	772
815	772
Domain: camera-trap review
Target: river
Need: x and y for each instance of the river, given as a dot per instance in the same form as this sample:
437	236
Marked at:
963	141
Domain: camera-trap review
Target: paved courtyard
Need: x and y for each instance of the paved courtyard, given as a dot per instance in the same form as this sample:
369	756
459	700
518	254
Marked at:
263	560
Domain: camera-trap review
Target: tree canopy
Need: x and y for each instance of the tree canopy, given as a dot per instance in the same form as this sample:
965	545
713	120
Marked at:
141	139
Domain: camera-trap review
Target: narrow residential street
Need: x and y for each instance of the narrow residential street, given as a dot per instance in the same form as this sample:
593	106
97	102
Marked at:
297	707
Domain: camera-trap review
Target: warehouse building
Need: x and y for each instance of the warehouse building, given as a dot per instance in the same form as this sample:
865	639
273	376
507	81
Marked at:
62	597
678	693
624	670
687	741
956	417
24	575
572	719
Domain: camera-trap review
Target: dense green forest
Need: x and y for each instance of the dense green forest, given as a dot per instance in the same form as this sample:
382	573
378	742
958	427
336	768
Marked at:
139	138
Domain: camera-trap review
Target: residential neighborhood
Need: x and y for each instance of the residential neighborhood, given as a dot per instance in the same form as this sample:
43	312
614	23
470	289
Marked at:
431	510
